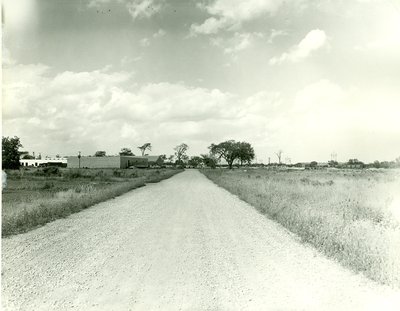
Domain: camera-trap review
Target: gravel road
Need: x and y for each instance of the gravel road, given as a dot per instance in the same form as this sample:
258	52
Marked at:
181	244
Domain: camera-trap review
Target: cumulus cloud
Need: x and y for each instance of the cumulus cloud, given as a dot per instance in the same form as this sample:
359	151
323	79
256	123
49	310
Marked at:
104	109
88	110
231	13
314	40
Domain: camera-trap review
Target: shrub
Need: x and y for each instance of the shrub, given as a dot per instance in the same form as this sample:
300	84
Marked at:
51	170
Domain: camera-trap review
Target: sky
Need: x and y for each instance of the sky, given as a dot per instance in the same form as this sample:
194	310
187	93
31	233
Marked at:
308	77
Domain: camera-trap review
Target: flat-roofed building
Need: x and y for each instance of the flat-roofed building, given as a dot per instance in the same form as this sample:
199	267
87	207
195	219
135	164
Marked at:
107	162
43	162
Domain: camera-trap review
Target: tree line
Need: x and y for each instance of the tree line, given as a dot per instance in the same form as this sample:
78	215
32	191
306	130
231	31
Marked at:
231	151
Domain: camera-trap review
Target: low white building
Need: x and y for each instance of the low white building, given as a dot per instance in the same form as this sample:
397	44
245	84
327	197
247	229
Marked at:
43	162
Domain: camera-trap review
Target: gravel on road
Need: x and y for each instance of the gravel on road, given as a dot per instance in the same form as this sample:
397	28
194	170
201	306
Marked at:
181	244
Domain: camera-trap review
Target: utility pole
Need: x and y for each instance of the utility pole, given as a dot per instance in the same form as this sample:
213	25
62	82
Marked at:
79	158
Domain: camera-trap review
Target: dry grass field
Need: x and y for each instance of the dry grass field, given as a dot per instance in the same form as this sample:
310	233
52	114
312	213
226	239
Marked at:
33	197
352	216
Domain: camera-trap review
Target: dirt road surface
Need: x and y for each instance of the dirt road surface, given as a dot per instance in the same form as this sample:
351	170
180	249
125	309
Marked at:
181	244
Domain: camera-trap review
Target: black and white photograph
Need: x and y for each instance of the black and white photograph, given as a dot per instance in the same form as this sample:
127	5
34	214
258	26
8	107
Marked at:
200	155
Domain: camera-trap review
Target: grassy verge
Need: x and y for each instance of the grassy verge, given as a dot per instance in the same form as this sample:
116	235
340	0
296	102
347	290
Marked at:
350	216
35	197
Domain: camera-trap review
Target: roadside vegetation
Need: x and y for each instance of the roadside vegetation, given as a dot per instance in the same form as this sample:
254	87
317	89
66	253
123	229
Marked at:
352	216
34	197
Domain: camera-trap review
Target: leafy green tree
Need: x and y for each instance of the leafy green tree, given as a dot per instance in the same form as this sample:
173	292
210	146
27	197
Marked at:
126	152
100	154
376	164
246	153
209	160
28	157
10	152
146	146
180	153
171	158
333	163
231	150
195	161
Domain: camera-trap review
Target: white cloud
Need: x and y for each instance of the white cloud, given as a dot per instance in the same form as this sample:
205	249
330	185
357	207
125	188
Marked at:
231	13
386	37
144	42
241	42
318	95
276	33
102	109
314	40
159	33
210	26
243	10
88	110
238	42
143	8
98	3
136	8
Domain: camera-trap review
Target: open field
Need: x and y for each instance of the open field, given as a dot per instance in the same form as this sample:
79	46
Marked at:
181	244
351	216
35	197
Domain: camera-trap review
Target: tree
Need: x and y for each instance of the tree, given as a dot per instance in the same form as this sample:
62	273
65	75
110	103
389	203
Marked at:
171	158
209	160
231	150
246	153
279	155
146	146
376	164
10	152
333	163
126	152
195	161
180	153
27	157
100	154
